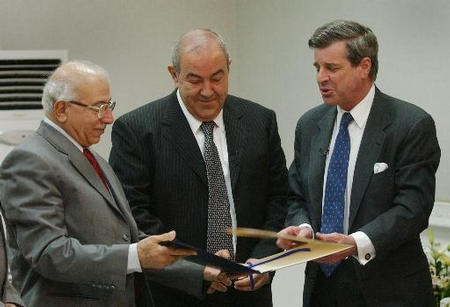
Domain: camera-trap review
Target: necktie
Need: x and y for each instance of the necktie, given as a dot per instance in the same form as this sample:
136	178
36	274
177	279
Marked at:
88	154
219	217
334	200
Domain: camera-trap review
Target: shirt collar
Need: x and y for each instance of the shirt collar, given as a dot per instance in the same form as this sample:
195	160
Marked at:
194	123
63	132
360	112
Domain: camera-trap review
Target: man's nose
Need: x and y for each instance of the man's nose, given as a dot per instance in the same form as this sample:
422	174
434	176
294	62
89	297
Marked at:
206	90
107	117
322	75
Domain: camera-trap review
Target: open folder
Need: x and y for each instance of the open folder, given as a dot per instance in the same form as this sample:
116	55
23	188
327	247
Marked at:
306	250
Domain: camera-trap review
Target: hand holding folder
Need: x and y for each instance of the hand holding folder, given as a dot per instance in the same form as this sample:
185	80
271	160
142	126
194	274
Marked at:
306	250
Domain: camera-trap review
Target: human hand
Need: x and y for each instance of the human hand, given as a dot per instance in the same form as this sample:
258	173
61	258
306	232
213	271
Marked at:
337	238
152	255
301	232
10	305
251	282
219	280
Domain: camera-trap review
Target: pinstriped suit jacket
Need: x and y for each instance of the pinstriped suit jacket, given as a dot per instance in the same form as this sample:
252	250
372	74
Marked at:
157	158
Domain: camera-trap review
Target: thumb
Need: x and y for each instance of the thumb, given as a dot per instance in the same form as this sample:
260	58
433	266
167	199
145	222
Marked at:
168	236
224	253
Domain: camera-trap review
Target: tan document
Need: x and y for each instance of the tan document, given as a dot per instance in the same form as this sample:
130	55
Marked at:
307	249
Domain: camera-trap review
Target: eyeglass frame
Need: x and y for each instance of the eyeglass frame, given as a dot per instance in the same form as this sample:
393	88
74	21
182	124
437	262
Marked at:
100	109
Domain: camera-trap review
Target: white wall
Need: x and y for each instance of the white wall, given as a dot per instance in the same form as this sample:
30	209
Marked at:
275	63
132	39
268	43
276	70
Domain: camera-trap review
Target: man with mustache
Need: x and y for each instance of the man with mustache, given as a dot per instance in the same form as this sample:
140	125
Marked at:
363	174
201	160
73	238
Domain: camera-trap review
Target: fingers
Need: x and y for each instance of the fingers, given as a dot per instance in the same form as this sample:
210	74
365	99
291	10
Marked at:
217	286
304	232
168	236
155	256
180	252
210	273
220	280
291	230
244	284
224	279
284	244
224	253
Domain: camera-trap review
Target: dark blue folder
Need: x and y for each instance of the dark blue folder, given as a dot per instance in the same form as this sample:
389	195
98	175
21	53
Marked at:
205	258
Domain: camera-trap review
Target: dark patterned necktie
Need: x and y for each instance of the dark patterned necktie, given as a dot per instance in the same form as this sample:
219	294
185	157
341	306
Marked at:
334	201
219	217
88	154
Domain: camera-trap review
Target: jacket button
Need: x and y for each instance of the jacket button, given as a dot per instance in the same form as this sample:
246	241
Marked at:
125	237
367	256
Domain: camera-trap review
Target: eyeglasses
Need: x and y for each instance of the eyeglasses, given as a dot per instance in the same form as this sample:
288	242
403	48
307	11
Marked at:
101	109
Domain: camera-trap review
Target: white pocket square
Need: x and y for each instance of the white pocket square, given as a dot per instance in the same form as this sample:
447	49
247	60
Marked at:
379	167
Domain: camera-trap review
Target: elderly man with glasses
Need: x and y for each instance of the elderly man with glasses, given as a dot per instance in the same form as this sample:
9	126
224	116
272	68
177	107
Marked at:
73	237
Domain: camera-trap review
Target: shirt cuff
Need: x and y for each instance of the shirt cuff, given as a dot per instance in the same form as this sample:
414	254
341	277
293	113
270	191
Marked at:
309	226
366	250
133	260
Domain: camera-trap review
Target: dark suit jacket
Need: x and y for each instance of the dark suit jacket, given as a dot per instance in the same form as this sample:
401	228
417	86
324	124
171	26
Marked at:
69	235
391	207
158	160
7	292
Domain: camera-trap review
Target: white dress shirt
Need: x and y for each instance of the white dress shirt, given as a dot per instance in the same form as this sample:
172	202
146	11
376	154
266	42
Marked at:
133	264
360	114
220	139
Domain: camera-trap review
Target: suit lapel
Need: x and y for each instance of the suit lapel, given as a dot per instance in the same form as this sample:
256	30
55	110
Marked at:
176	130
369	151
77	159
236	135
118	196
319	149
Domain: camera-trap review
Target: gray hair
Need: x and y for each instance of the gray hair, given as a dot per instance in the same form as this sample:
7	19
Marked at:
64	81
176	50
360	40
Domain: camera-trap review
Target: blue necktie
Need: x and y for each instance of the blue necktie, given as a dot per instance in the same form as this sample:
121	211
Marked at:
334	201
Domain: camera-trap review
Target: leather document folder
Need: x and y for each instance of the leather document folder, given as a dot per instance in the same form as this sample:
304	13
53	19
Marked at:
306	250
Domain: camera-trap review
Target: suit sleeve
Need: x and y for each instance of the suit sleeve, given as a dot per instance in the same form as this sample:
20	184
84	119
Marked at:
10	294
34	210
297	212
131	160
414	187
277	191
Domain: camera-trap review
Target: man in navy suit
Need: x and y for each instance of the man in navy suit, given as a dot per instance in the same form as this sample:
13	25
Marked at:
369	182
159	154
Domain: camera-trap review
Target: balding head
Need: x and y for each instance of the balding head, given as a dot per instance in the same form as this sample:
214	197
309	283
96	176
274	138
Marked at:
200	72
73	97
64	82
195	40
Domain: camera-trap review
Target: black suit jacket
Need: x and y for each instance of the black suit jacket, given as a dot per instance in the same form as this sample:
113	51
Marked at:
158	160
391	207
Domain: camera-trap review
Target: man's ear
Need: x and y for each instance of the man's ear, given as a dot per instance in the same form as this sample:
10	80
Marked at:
60	111
365	65
173	74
